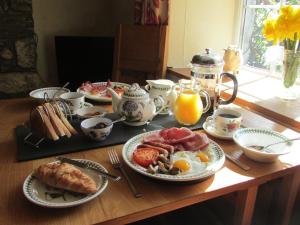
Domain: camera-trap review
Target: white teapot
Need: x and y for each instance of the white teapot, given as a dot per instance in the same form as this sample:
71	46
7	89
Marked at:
135	104
162	88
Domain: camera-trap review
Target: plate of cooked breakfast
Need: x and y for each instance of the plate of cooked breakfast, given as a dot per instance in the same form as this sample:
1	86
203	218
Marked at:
98	91
62	185
173	154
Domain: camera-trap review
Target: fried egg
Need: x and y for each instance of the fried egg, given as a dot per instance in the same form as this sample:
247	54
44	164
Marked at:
189	162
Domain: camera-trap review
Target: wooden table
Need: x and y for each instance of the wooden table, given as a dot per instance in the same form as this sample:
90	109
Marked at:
116	205
262	101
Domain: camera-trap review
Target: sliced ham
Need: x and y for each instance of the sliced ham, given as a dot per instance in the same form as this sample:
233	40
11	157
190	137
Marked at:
198	141
155	137
86	86
181	138
176	135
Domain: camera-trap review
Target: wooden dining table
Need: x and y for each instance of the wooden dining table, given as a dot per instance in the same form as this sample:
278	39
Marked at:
117	205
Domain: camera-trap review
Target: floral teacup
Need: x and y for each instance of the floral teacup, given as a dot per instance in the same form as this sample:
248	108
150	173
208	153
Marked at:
225	121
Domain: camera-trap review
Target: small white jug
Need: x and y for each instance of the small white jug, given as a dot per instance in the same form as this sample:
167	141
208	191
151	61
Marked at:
166	90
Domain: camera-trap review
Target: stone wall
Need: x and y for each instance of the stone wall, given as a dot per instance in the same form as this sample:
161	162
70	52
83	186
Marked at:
18	44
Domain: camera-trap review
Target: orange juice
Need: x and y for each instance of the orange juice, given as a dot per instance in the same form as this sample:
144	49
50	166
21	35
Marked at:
188	107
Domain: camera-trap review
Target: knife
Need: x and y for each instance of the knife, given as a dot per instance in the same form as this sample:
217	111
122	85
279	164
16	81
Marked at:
237	162
83	165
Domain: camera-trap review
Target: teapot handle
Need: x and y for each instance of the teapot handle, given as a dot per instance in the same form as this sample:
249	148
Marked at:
207	99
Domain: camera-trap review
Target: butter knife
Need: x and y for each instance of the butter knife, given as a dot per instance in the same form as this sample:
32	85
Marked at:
237	162
83	165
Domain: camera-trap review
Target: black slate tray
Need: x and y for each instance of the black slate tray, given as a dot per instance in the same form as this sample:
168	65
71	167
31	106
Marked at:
119	135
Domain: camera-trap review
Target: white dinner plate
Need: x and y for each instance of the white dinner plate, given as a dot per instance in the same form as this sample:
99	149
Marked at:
211	130
101	97
215	152
41	194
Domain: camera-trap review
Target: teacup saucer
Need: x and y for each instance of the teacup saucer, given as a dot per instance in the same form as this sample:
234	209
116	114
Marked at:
210	129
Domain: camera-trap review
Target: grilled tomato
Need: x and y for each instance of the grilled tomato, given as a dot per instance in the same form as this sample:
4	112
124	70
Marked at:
145	156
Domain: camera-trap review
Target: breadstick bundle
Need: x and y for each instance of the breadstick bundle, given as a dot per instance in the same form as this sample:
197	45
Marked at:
48	120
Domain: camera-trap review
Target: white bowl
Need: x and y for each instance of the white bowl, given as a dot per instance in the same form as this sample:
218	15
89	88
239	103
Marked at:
91	112
39	94
97	134
255	136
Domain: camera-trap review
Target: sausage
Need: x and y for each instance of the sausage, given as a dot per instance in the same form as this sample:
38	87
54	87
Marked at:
161	150
169	148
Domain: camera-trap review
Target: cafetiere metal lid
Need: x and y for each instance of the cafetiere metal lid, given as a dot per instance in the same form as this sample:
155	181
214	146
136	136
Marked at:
209	58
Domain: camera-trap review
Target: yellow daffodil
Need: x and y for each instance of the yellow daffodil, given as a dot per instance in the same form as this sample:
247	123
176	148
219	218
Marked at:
269	30
296	23
283	27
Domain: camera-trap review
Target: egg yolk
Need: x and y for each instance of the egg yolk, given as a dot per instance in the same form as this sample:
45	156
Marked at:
202	157
183	165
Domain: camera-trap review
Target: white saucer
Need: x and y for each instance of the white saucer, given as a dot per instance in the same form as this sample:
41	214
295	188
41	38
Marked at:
210	129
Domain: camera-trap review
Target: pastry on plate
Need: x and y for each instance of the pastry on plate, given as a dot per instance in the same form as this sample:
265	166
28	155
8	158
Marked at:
67	177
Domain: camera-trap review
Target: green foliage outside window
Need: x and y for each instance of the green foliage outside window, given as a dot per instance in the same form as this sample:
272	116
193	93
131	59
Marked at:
258	43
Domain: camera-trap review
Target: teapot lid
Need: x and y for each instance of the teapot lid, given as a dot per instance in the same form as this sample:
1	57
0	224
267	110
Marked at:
135	91
209	58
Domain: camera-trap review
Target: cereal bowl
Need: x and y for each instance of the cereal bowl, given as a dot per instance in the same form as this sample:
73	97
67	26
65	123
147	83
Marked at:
247	137
97	128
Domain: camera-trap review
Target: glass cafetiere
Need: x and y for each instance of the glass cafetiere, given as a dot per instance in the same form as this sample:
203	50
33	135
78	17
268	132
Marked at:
206	71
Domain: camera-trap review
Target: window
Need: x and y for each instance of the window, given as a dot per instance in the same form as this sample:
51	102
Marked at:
253	44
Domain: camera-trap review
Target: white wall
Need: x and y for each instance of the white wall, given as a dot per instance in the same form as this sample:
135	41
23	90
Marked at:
67	17
194	26
199	24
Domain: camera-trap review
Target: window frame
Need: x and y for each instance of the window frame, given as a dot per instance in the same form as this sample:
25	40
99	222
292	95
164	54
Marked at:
240	28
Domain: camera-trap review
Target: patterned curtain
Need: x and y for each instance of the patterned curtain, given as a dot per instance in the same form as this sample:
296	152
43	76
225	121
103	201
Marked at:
151	12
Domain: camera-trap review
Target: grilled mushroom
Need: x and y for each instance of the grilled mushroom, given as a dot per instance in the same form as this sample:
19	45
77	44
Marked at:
162	168
152	169
174	171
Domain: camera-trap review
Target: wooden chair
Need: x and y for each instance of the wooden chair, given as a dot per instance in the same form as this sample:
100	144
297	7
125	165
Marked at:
140	53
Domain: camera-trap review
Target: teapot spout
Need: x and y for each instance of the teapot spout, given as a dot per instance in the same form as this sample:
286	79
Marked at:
115	99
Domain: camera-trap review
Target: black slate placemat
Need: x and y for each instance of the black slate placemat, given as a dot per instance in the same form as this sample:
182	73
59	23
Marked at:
119	135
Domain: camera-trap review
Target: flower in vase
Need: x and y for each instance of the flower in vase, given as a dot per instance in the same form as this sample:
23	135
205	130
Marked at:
285	28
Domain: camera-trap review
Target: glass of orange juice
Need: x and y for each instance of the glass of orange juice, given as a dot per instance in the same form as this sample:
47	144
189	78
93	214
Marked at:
188	106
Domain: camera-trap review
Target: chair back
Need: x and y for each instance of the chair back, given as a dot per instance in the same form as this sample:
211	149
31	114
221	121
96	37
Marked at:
140	53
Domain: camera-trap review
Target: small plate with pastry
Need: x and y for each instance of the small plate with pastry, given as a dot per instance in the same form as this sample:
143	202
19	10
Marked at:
62	185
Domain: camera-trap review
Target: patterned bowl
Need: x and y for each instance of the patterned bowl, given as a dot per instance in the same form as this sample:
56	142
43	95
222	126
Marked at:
247	137
91	112
92	128
50	92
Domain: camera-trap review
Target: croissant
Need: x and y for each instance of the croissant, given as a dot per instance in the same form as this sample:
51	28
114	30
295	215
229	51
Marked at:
65	176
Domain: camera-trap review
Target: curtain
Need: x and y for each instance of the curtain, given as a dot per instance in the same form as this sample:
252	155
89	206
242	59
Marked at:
151	12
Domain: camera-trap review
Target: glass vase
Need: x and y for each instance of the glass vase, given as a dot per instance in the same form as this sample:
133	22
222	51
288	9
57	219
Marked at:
290	72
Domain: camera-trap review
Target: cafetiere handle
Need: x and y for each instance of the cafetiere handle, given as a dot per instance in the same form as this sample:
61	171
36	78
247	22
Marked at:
235	89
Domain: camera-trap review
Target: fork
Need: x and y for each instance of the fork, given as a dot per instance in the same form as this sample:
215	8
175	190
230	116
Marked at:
114	159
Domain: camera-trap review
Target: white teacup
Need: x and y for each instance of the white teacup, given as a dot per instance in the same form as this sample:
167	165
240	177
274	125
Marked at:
74	100
225	121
